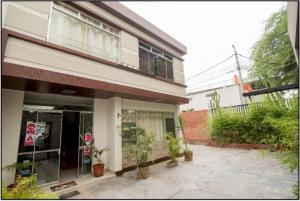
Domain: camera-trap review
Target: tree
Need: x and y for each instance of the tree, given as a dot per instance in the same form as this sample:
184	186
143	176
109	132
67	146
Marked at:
274	62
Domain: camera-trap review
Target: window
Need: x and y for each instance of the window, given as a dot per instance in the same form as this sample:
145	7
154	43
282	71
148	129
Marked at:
157	123
155	62
170	126
73	29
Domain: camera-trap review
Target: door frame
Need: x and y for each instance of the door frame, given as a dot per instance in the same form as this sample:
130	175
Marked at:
80	147
59	149
47	150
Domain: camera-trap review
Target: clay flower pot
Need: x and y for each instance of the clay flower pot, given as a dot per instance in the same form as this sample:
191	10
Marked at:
188	155
143	172
98	169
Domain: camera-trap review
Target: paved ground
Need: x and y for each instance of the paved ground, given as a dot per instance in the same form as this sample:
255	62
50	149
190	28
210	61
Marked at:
215	173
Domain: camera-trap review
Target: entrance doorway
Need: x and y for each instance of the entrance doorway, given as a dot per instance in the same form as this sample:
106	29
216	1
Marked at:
59	140
69	145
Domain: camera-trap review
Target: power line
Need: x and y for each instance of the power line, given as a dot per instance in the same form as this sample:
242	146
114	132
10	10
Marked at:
211	78
209	68
259	60
211	84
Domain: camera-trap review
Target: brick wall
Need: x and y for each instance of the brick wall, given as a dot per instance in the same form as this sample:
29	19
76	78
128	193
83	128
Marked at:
196	126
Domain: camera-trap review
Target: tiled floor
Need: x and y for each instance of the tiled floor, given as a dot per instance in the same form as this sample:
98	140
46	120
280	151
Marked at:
215	173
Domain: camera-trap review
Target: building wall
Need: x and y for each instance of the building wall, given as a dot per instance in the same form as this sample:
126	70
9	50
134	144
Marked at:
160	149
32	55
31	18
293	26
229	96
12	108
100	127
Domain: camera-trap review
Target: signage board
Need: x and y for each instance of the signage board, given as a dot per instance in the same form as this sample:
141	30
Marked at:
88	138
30	134
86	150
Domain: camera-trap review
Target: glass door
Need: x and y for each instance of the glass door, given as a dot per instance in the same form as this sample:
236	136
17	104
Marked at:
40	144
85	141
46	155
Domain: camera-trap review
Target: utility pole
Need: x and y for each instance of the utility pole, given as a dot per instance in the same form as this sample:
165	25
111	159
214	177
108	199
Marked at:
241	86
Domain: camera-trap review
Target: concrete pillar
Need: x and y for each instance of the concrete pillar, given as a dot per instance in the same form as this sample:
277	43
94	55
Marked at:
114	134
12	110
100	126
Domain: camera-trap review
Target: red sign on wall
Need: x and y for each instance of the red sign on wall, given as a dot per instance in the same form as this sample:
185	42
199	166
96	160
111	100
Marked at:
86	151
88	138
30	134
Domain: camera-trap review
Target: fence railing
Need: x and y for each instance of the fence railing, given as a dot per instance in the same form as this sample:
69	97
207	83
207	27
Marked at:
242	109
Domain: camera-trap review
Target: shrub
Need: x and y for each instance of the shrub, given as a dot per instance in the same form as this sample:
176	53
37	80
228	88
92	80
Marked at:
143	147
26	188
173	145
275	122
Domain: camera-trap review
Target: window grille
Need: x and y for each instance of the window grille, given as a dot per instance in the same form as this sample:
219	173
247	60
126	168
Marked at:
155	62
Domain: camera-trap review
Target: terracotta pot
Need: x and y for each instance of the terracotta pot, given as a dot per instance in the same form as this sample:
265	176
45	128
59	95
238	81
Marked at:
143	172
188	155
98	170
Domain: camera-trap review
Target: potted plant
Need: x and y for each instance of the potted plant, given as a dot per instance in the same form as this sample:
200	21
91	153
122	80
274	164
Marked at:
174	149
188	154
143	150
98	168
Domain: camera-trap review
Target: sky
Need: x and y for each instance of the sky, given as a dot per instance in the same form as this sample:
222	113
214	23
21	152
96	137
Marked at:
208	30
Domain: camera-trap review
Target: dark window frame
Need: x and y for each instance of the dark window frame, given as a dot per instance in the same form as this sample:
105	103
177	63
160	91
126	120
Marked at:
155	62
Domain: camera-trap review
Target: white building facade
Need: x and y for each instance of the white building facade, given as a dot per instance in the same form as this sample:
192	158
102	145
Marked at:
75	69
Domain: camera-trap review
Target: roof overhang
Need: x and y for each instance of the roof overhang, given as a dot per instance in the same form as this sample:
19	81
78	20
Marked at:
43	81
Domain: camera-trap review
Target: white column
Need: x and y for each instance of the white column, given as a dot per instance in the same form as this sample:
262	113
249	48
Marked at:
100	123
12	110
114	134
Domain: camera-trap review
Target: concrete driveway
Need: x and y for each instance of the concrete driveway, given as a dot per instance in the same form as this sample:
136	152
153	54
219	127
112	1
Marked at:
215	173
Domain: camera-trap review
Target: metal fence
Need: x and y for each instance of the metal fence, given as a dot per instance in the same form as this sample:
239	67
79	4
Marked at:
242	109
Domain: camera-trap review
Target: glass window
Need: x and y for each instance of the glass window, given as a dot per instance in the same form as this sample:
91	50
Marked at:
155	62
83	33
170	126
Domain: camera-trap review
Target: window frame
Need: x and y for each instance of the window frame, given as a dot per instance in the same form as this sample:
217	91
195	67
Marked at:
82	17
61	7
160	55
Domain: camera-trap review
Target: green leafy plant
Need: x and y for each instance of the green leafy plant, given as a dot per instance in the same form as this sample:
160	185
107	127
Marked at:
98	152
21	166
143	147
274	62
296	190
180	125
174	147
275	122
26	188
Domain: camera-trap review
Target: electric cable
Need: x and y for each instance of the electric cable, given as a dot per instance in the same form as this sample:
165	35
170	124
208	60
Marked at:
210	84
209	68
258	60
212	78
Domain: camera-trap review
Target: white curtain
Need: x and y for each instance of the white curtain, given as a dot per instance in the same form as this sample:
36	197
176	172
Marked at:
73	33
153	122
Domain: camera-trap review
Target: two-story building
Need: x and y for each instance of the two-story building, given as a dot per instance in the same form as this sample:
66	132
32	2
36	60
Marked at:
72	70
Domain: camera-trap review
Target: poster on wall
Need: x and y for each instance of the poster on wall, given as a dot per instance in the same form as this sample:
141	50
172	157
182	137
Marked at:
40	129
86	150
88	138
30	134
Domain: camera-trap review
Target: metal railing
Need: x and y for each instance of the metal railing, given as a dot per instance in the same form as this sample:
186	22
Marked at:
242	109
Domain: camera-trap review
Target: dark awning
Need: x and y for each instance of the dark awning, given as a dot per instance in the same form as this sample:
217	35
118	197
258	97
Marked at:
271	90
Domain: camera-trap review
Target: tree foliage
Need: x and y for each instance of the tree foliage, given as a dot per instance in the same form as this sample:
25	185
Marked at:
274	61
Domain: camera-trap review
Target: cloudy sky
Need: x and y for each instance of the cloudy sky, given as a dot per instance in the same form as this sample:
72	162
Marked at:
209	29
